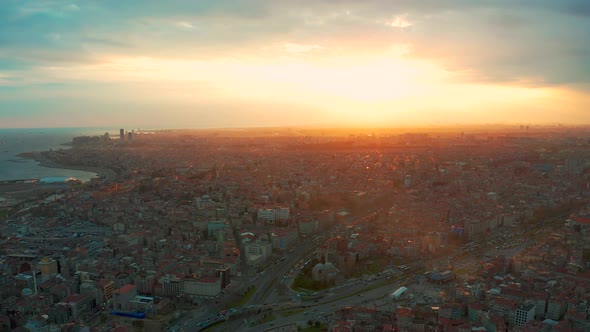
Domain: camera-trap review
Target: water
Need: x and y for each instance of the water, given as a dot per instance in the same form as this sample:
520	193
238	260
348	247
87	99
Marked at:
16	141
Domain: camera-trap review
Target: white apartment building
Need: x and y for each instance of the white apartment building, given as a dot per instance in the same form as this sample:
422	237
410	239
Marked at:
257	252
524	314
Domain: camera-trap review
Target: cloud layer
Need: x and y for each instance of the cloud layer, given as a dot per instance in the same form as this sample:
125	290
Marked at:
51	47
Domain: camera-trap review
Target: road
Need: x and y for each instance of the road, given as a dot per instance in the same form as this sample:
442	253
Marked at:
344	295
266	284
353	293
359	293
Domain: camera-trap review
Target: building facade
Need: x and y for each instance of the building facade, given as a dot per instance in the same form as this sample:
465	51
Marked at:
524	314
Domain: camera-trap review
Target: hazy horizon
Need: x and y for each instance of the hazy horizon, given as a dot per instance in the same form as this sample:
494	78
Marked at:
310	129
242	64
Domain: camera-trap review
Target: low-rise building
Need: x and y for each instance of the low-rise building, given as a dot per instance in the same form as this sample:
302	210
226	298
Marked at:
123	296
257	252
201	287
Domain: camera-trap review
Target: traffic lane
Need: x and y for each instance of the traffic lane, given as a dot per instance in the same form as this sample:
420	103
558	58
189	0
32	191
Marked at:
280	270
374	294
325	309
313	310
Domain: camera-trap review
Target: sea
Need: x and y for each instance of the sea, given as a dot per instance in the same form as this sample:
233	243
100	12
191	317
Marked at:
14	141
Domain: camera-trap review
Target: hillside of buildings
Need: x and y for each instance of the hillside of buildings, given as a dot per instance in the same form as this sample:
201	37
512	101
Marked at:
482	229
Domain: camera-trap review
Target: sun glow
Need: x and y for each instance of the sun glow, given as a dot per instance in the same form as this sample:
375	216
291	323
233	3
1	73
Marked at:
367	91
371	80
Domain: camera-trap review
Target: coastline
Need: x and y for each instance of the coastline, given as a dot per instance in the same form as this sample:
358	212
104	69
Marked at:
103	174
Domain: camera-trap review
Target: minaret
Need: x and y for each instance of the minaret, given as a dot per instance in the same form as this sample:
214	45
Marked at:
35	281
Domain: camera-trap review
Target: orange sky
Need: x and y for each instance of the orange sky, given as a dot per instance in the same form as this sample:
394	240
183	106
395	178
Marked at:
229	65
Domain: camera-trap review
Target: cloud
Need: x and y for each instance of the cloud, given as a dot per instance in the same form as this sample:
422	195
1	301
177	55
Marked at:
300	48
400	22
184	25
6	79
539	47
72	7
399	50
54	36
490	40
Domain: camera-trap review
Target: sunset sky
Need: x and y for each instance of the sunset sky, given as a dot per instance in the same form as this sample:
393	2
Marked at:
217	63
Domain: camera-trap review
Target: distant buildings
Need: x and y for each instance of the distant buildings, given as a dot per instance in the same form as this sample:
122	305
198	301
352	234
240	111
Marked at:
201	287
169	286
398	293
325	272
308	226
123	135
140	241
271	216
256	253
575	165
48	267
123	296
283	239
216	229
441	277
580	225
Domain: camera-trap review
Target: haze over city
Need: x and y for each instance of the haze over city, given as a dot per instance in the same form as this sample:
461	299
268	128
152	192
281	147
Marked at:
287	166
181	64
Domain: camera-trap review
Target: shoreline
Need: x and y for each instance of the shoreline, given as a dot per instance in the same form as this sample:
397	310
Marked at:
102	174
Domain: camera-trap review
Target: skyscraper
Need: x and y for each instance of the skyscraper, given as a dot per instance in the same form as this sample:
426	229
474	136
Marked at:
122	134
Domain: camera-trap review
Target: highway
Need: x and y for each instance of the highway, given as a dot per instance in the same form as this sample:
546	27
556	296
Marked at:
266	285
355	292
358	293
373	292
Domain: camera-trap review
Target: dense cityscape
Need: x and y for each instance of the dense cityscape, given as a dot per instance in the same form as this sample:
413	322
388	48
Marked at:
291	229
283	166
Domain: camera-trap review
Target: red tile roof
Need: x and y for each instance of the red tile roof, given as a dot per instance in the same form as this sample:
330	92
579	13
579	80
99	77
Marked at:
581	220
210	280
126	289
75	298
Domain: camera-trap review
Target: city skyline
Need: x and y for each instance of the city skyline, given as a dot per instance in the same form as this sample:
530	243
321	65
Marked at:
202	64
